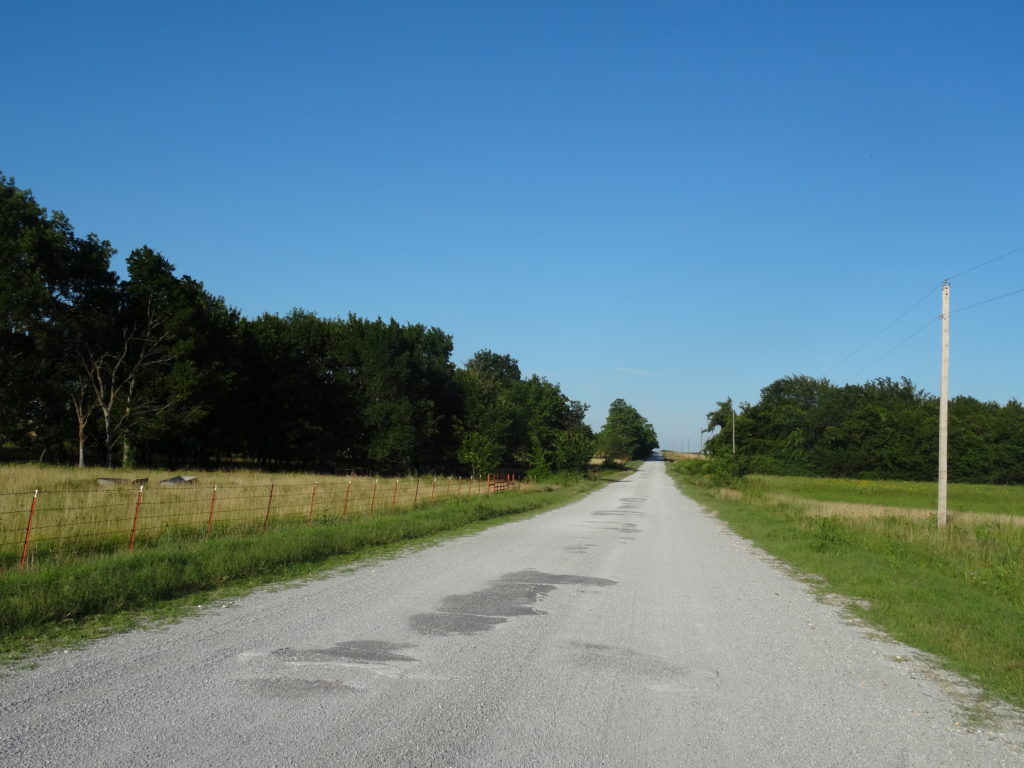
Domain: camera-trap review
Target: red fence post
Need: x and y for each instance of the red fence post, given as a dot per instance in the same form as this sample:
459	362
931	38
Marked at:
373	498
416	493
394	498
348	490
28	529
309	520
209	521
135	520
270	500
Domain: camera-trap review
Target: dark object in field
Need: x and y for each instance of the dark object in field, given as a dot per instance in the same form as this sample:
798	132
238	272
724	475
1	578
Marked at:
177	480
112	482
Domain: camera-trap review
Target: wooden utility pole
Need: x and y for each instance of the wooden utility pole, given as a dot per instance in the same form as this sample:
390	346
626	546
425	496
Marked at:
944	409
734	433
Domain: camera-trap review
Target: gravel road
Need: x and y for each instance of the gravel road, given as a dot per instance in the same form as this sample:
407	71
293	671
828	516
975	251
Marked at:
630	628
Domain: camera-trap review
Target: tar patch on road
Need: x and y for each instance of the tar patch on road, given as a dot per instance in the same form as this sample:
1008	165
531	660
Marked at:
292	688
514	594
578	548
655	674
362	651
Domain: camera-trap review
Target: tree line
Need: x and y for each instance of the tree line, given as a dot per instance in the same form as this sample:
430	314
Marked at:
153	369
883	429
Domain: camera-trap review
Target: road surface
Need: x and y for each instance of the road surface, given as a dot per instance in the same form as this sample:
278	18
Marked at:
630	628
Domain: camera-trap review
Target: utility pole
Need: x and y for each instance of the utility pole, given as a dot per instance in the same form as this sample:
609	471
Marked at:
734	433
944	409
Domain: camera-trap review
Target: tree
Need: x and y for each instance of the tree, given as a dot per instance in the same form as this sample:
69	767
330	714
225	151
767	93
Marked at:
53	286
626	434
481	452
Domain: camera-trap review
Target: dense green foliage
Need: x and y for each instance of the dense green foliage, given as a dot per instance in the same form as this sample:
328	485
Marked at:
626	434
882	429
152	370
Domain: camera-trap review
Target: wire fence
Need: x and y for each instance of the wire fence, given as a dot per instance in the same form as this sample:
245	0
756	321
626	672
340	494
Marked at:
43	526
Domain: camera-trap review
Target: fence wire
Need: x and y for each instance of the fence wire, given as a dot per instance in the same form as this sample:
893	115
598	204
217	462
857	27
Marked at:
45	526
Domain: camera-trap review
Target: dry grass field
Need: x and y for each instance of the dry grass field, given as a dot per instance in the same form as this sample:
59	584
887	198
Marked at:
71	513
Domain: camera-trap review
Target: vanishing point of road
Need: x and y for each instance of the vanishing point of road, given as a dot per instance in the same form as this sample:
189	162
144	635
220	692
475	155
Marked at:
630	628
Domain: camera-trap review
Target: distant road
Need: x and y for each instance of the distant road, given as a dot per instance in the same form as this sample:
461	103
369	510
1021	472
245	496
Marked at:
626	629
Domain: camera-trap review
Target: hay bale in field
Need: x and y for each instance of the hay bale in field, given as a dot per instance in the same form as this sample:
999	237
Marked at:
177	481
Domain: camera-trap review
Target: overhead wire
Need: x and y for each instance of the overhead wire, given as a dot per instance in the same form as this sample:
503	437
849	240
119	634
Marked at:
913	306
879	359
986	301
890	325
986	263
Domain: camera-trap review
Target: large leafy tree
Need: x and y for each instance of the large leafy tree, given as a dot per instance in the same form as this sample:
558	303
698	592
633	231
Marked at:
55	289
185	388
490	419
626	434
509	421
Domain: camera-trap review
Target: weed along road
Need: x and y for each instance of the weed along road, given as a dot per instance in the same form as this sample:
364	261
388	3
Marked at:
627	629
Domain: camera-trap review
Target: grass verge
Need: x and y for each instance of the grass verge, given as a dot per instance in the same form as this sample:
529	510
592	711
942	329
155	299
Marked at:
963	497
956	593
64	604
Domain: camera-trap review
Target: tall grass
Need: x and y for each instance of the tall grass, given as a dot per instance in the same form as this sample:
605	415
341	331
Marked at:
956	592
72	516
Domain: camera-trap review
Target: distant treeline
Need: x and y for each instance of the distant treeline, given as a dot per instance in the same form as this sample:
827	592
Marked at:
153	369
883	429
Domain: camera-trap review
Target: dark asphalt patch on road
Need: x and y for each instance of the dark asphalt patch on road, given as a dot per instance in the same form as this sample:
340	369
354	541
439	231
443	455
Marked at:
514	594
290	688
578	548
364	651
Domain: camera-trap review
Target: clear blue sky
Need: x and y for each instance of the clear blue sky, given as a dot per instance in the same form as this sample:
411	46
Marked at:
669	202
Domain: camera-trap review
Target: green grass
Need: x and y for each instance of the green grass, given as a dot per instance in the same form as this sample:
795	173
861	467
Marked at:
63	603
984	499
956	593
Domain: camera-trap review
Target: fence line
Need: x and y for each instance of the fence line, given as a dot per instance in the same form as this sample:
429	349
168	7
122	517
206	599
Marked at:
46	525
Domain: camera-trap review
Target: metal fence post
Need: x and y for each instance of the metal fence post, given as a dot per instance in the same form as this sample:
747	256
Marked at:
28	529
309	519
135	520
209	521
373	498
348	490
416	493
270	500
394	497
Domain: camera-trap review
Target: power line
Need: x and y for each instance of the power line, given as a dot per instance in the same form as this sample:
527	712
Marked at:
988	301
986	263
890	325
926	325
913	306
879	359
